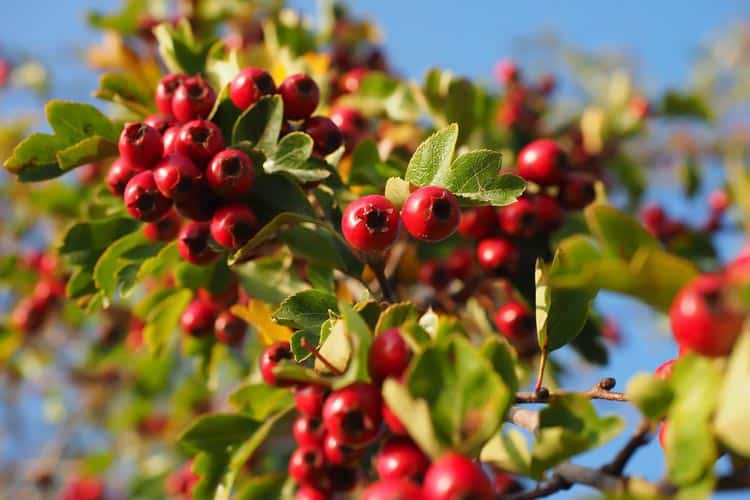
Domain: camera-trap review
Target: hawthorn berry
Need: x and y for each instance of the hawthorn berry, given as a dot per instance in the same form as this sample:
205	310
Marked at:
48	291
165	229
229	329
498	255
177	177
249	85
308	431
270	358
389	355
83	488
300	94
231	174
140	145
199	140
309	399
165	91
506	71
119	175
143	199
514	320
193	244
549	215
639	107
28	315
654	219
233	225
225	297
664	370
198	318
400	458
161	123
576	191
339	453
504	484
519	218
431	213
460	263
326	136
307	466
393	489
351	123
169	139
541	162
456	476
200	206
352	414
193	100
350	81
478	223
370	224
392	421
435	273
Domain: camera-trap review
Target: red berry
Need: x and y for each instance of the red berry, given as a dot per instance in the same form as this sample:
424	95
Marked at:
224	298
350	81
165	229
193	100
307	466
229	328
140	145
498	255
177	177
29	314
718	201
504	484
310	493
143	199
300	94
352	124
435	273
431	213
393	422
249	85
309	399
200	206
393	489
400	458
702	321
389	355
460	263
639	107
326	135
654	218
193	244
231	174
514	320
549	215
233	225
270	358
119	175
4	72
455	476
352	414
541	162
200	140
165	92
198	318
84	488
339	453
478	223
506	71
519	218
663	429
161	123
169	139
308	431
48	291
576	191
370	223
664	370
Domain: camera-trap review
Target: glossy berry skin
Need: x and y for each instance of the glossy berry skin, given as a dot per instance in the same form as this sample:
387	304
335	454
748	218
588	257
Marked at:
198	318
308	431
169	139
326	136
193	244
664	370
370	224
352	414
435	273
576	191
309	399
231	174
177	177
229	329
160	122
701	320
165	229
519	218
514	320
143	199
549	214
339	453
541	162
307	465
455	476
431	213
300	94
350	81
199	140
119	175
478	223
270	358
165	91
233	225
400	458
498	255
193	99
352	124
393	489
249	85
460	263
310	493
140	145
393	422
389	355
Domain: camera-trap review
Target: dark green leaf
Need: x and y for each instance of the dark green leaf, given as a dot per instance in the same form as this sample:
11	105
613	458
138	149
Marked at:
162	319
259	401
676	104
126	91
278	193
431	162
219	433
476	177
359	338
260	125
127	21
306	309
395	315
291	156
269	279
180	50
86	151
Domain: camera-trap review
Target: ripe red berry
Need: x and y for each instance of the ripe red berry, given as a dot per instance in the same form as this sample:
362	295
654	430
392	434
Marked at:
193	100
393	422
504	484
193	244
165	229
654	219
307	466
83	488
663	430
514	320
370	223
352	414
143	199
119	175
389	355
165	91
541	162
300	94
199	140
308	431
352	124
400	458
326	135
160	122
431	213
435	273
350	81
233	225
29	314
460	263
231	174
225	297
456	476
576	191
664	370
519	218
140	145
309	399
310	493
229	329
200	206
498	255
270	358
339	453
478	223
702	320
718	201
198	318
393	489
249	85
177	177
639	107
48	291
549	215
169	139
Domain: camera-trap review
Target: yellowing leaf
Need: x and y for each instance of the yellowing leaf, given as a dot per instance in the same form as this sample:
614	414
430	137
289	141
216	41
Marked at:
258	315
592	127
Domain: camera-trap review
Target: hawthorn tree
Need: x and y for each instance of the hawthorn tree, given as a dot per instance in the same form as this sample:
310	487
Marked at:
284	271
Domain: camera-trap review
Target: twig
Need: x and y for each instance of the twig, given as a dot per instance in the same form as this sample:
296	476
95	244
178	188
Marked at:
640	438
540	372
547	488
602	390
316	353
376	263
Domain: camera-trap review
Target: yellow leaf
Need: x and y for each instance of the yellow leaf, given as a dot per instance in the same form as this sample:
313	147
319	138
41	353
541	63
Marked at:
258	315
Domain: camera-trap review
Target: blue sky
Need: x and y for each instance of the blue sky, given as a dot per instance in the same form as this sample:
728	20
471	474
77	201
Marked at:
467	37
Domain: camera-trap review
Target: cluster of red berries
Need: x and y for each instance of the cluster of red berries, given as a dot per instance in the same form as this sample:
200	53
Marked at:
524	104
208	314
4	72
32	311
667	228
180	483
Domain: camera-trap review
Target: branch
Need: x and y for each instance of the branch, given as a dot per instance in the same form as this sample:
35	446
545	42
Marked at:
640	437
377	266
602	390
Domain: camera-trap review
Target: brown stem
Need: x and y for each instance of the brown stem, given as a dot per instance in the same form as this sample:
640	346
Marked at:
316	354
378	267
599	391
540	372
640	438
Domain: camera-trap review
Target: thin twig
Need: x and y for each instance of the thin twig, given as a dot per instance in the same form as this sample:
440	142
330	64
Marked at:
640	438
599	391
540	373
316	354
547	488
376	263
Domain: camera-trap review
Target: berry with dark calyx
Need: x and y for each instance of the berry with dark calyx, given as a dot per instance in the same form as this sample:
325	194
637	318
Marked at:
519	218
514	320
165	229
140	145
169	139
119	175
576	191
393	489
193	244
352	414
177	177
455	476
325	134
339	453
541	162
549	215
393	422
233	225
160	122
370	224
165	91
249	85
400	458
654	219
199	140
308	431
200	205
309	399
478	223
229	329
300	94
193	100
460	263
431	213
352	124
664	370
231	174
498	255
270	358
389	355
143	199
309	493
350	81
307	466
435	273
702	320
198	318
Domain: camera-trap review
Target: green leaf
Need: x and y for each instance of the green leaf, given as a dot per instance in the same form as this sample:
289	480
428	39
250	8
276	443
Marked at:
260	125
180	50
652	396
210	469
36	153
431	162
732	422
126	91
319	246
396	315
268	232
262	487
163	318
459	106
218	433
269	279
414	414
167	257
126	21
476	177
359	338
509	451
397	191
88	150
309	308
130	250
302	339
276	194
258	400
215	277
503	359
291	156
75	121
378	85
289	370
677	104
620	234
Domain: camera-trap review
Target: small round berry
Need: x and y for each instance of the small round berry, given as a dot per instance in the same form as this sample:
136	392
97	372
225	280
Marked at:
249	85
199	140
350	81
504	484
177	177
514	320
478	223
576	191
456	476
231	174
541	162
663	430
143	199
165	92
339	453
229	329
300	94
169	139
225	297
352	414
431	213
160	122
654	219
664	370
198	318
193	100
48	291
200	205
498	255
718	201
165	229
309	399
393	489
549	215
370	224
270	358
326	135
83	488
352	124
28	315
119	175
307	465
308	431
193	244
309	493
389	355
393	422
460	263
400	458
233	225
519	218
140	145
435	274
